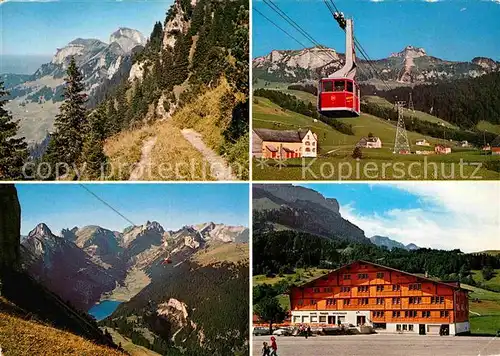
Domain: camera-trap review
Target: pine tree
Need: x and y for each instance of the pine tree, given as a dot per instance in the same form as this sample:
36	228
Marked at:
13	151
71	121
93	152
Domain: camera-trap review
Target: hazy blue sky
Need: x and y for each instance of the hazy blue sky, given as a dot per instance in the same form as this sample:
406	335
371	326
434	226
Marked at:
448	29
446	215
32	27
172	205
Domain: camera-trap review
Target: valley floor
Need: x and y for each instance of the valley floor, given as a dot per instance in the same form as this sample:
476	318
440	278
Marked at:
382	345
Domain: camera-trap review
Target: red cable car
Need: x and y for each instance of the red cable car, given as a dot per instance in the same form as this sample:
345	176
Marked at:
167	260
338	94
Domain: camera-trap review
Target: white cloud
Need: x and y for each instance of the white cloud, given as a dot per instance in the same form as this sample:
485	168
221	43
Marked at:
464	215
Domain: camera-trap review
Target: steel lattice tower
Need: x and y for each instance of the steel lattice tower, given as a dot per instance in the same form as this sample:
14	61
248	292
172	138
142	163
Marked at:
410	104
401	143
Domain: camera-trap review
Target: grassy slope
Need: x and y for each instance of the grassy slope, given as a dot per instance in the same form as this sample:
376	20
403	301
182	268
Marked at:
124	150
336	148
173	157
488	126
488	308
230	252
129	346
492	283
28	337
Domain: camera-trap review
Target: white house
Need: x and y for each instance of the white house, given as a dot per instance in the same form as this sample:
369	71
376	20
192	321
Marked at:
369	142
422	142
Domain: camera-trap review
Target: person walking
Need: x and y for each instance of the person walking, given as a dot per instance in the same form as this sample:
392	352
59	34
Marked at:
309	333
274	347
265	350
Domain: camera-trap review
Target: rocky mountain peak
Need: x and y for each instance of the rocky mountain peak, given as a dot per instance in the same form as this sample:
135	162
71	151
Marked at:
153	226
410	51
486	63
127	38
40	231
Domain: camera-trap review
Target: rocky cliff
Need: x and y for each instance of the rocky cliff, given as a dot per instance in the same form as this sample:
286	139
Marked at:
10	226
285	206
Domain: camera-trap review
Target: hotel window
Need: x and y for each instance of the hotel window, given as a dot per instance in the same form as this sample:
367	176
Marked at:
405	327
410	327
363	289
347	302
441	300
398	327
296	319
415	300
444	313
345	289
322	318
410	314
328	290
415	286
314	319
307	143
363	301
362	276
314	143
330	301
396	287
316	290
378	314
426	314
380	274
396	300
380	301
380	288
347	276
300	302
396	314
313	302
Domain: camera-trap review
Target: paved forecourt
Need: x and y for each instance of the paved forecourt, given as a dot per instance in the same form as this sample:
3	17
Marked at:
382	345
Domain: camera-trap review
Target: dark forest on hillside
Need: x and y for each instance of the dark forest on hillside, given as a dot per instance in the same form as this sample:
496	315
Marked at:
280	251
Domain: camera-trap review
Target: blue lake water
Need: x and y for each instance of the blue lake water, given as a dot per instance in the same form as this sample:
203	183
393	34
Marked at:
104	309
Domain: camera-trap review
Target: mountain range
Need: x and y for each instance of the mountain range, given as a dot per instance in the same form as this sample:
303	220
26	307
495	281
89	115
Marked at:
149	268
84	263
36	98
412	65
288	207
391	244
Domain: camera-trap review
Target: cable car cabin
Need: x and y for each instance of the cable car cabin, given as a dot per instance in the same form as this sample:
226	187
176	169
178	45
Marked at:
338	98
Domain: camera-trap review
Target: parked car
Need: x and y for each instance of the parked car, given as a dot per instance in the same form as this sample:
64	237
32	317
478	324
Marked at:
259	331
282	332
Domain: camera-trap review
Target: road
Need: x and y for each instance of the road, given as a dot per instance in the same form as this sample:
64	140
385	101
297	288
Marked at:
382	345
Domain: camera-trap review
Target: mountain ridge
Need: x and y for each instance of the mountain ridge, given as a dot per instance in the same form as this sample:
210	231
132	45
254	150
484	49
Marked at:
411	65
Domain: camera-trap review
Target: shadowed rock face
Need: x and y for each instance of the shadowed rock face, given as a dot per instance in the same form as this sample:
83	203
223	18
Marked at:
10	226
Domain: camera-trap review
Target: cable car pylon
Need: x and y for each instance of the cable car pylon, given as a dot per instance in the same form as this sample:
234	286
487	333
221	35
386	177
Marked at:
401	143
338	94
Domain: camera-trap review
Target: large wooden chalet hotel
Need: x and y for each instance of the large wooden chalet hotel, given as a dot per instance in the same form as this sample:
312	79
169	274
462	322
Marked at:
364	293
